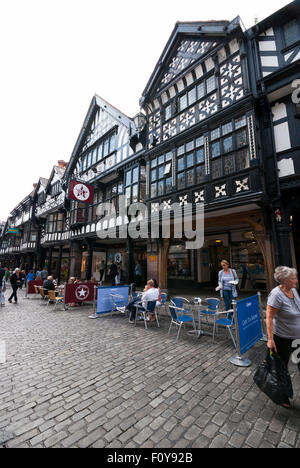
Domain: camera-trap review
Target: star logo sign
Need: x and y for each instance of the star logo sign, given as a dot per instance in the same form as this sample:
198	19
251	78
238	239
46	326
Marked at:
82	293
81	192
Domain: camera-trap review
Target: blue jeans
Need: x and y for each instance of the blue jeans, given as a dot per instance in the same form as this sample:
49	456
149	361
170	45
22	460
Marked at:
228	298
131	307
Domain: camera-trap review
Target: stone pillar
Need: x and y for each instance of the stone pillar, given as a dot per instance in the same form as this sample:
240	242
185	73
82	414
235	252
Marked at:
75	259
164	246
130	262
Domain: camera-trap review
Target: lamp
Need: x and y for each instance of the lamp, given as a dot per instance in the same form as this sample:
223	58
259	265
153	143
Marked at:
140	121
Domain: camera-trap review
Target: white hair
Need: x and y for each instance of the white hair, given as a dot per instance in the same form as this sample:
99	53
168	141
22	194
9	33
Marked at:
282	273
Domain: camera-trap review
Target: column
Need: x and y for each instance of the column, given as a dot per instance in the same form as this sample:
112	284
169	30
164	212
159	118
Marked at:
75	259
130	263
58	271
90	259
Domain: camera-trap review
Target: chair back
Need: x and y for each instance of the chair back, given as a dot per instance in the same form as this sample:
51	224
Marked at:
213	304
179	301
52	295
163	298
151	306
197	300
173	312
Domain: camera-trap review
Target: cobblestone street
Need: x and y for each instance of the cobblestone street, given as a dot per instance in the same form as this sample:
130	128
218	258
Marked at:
74	382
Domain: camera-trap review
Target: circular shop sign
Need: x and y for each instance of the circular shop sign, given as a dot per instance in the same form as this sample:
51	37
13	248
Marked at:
81	192
82	293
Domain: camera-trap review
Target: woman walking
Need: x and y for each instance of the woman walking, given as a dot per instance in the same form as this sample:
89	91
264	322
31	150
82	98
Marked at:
15	282
283	315
228	280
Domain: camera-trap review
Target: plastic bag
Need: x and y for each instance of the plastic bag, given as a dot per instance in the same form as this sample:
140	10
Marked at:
273	379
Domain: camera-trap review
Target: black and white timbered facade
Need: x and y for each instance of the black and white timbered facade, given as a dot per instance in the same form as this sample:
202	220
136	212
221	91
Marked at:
219	125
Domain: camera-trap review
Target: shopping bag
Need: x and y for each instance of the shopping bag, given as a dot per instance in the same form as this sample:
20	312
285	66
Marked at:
273	379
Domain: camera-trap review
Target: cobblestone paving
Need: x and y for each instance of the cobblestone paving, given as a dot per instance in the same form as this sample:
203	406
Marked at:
74	382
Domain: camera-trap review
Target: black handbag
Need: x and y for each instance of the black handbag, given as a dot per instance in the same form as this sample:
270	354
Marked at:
273	379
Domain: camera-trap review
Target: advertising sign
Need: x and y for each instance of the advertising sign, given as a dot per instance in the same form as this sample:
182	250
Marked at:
105	302
81	292
249	323
13	231
81	192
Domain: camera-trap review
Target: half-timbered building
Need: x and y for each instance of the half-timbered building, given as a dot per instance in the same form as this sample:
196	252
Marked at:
276	59
203	147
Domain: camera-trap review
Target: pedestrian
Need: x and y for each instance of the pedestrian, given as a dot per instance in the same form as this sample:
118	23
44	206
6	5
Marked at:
44	274
30	276
2	291
283	316
138	273
228	281
102	270
15	282
113	272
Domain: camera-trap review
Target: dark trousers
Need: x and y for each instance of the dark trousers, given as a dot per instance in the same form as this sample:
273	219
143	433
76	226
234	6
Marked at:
14	293
131	308
285	349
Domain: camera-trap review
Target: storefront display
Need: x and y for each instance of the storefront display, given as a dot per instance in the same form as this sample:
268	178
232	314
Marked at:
180	264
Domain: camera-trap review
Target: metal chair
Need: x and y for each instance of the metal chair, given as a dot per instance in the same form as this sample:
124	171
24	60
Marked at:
119	304
211	310
143	311
54	298
163	302
227	322
179	318
182	303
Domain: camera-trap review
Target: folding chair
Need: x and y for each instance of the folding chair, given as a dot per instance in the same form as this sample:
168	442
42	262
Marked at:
119	305
54	298
143	311
227	323
178	318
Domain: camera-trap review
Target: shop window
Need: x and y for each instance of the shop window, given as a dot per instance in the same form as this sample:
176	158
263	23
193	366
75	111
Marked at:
242	160
180	264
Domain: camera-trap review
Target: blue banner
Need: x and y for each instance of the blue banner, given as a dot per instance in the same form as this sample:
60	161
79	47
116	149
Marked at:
105	301
249	323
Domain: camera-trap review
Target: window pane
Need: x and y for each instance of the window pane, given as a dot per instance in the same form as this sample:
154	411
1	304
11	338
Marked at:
112	143
167	169
180	181
106	147
161	159
216	169
241	138
128	178
183	102
200	141
229	164
169	156
215	149
192	96
180	164
135	174
153	190
168	112
228	144
190	160
211	84
154	162
189	146
215	134
180	150
153	175
100	151
169	185
201	90
160	188
242	160
161	172
190	177
200	155
227	128
200	173
128	195
241	122
291	32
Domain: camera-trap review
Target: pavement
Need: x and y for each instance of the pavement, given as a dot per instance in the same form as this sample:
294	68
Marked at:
73	382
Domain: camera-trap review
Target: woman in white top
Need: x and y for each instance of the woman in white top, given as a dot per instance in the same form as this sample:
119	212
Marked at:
283	316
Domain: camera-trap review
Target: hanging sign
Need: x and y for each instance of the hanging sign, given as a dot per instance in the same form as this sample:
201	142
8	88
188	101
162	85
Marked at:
81	192
13	231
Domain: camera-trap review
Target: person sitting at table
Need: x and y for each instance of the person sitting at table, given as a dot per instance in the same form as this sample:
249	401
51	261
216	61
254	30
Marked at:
150	294
49	284
159	291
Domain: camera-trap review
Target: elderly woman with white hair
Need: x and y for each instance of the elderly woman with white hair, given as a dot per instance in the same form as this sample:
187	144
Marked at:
283	315
15	281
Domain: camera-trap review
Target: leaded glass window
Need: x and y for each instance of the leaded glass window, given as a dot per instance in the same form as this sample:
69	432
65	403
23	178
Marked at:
216	169
242	159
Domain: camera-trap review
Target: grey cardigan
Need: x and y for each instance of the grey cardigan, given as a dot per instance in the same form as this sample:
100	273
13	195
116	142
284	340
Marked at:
234	289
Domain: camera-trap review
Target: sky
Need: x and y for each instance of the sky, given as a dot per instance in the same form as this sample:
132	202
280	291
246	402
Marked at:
57	54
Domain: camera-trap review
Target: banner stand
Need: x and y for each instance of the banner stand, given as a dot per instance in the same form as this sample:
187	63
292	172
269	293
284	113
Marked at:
263	323
238	360
94	315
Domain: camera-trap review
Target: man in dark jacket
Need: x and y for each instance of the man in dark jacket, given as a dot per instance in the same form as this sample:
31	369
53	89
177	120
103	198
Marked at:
113	272
48	284
15	282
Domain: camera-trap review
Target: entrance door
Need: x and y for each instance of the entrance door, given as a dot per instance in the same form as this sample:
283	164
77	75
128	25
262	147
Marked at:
217	254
